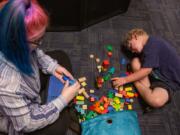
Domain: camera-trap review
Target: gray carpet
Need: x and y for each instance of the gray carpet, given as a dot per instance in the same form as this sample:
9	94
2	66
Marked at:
157	17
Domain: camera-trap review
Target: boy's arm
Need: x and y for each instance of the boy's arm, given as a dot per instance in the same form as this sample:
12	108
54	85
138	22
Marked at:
118	81
143	72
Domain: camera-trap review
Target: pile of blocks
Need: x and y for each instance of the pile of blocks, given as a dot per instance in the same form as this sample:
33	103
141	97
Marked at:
88	105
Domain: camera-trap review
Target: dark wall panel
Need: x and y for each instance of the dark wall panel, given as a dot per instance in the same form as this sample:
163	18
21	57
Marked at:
78	14
64	14
98	10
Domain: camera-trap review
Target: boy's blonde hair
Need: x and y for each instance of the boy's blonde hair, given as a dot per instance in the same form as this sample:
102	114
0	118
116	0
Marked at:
131	33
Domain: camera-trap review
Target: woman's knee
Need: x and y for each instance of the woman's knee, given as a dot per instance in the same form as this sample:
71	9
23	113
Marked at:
135	64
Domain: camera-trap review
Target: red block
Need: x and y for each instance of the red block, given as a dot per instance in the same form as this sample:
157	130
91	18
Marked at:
105	64
109	54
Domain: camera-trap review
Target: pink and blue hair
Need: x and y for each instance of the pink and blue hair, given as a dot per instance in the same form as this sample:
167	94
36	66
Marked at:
20	19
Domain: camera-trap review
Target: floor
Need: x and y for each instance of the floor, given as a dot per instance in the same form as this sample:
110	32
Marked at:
158	17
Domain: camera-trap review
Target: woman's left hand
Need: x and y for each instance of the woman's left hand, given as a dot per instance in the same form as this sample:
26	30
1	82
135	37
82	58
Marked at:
60	71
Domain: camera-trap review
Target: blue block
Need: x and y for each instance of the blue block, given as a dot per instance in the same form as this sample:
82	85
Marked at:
127	100
71	82
123	61
111	109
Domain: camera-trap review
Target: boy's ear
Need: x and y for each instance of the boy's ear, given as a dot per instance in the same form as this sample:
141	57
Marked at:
135	36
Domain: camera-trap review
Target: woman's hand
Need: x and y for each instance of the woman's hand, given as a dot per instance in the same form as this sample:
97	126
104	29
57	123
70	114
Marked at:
118	81
69	92
60	71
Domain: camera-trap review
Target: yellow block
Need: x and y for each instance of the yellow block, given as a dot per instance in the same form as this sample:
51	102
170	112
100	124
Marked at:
128	89
85	94
82	79
91	91
116	100
121	88
80	97
130	94
83	84
129	107
101	107
81	90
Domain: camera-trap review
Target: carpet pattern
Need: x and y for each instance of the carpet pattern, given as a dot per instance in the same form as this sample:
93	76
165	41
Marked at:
158	17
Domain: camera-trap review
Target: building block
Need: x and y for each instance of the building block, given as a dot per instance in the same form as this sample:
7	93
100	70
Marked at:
81	90
118	95
84	84
82	79
130	94
123	61
80	97
91	91
79	102
109	48
97	60
111	70
120	88
129	107
92	99
128	89
65	78
84	107
110	95
109	54
85	94
91	56
105	64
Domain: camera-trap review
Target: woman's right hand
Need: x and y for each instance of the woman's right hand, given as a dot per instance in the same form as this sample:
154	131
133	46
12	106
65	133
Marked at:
69	92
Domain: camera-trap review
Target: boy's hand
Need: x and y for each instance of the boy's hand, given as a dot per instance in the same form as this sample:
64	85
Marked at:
118	81
60	71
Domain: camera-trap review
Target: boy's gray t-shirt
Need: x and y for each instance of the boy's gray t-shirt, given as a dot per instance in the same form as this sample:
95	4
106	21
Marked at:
159	54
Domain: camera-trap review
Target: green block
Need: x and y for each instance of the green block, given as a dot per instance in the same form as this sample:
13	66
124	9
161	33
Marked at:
107	77
111	70
110	95
109	48
117	107
122	100
89	115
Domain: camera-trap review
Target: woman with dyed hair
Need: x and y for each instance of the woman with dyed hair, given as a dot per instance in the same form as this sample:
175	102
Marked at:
22	26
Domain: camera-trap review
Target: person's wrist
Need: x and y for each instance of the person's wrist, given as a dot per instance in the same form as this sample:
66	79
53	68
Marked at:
60	102
55	68
63	100
67	97
126	80
136	83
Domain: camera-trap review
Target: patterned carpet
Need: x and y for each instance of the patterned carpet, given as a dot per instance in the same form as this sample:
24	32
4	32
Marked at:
157	17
